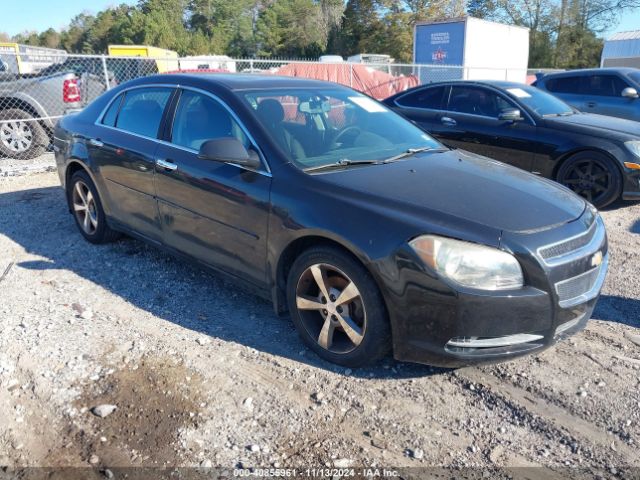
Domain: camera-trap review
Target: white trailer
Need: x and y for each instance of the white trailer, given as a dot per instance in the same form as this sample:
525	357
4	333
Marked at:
208	62
471	49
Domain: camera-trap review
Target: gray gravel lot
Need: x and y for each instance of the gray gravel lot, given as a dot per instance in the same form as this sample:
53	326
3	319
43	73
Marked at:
203	373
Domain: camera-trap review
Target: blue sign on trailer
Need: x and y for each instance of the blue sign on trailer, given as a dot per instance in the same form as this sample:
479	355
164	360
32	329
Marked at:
440	43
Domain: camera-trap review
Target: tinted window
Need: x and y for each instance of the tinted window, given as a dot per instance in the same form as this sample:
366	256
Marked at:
111	114
603	85
142	110
477	101
200	118
563	84
424	98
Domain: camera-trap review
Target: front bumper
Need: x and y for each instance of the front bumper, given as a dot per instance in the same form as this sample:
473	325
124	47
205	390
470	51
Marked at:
436	324
631	182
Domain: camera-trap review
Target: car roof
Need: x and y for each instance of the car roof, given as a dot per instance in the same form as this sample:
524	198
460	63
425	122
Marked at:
499	84
592	71
236	81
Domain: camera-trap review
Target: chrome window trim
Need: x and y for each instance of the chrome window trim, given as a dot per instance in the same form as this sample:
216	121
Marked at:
265	172
591	247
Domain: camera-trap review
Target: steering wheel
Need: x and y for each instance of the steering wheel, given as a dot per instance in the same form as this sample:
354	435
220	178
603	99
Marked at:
344	134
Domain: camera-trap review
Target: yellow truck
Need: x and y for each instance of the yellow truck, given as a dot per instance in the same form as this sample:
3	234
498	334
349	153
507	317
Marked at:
165	60
26	59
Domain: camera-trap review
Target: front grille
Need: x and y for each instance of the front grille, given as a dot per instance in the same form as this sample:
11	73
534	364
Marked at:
568	246
573	288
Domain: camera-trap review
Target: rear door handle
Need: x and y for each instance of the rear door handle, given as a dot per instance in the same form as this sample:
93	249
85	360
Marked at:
448	121
167	165
96	143
591	104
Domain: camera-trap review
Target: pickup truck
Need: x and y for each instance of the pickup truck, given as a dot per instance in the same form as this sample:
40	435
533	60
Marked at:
31	104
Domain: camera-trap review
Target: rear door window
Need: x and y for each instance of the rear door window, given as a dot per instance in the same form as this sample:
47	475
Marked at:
564	84
425	98
142	109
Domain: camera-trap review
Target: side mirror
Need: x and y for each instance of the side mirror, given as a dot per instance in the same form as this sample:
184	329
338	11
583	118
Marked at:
630	93
510	115
228	150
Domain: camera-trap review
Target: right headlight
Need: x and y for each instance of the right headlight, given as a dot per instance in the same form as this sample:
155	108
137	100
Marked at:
469	264
633	146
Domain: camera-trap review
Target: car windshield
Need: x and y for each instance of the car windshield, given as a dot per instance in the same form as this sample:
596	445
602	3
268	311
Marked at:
635	76
335	127
540	102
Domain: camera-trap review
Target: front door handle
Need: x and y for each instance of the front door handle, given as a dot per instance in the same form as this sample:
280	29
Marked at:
96	143
167	165
591	104
450	122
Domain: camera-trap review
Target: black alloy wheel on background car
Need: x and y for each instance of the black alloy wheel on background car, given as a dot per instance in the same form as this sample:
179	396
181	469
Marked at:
593	176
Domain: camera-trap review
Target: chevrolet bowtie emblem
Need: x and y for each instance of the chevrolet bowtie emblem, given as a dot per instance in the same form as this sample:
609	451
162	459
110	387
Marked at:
596	259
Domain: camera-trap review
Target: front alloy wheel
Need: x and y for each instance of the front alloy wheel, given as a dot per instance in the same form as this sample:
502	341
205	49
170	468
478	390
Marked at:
337	307
331	308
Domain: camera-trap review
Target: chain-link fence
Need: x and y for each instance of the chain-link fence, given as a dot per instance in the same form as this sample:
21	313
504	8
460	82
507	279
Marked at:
36	91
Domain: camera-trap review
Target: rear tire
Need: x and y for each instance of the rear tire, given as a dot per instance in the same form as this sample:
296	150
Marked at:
20	137
593	176
345	320
87	210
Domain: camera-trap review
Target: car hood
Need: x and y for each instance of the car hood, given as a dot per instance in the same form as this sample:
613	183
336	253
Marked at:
463	185
590	122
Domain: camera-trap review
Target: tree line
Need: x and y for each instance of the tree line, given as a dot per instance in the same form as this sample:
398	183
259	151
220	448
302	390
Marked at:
563	33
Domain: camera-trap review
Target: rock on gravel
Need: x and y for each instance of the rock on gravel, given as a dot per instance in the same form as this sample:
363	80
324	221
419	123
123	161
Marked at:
103	410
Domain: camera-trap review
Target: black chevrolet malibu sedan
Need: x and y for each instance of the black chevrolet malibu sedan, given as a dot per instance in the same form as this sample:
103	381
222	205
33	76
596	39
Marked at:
597	157
370	233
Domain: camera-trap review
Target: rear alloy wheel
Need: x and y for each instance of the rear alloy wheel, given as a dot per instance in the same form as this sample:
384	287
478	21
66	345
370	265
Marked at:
87	209
21	137
593	176
84	208
337	308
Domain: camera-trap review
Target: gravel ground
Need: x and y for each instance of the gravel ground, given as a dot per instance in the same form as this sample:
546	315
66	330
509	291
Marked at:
203	374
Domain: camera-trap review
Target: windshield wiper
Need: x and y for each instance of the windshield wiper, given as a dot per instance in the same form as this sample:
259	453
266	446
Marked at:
412	151
346	162
342	163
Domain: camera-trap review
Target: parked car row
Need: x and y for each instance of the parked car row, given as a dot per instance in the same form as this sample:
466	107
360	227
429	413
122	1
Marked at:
371	233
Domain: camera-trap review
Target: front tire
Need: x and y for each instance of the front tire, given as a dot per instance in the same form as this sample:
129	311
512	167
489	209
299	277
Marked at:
21	137
337	308
593	176
87	210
